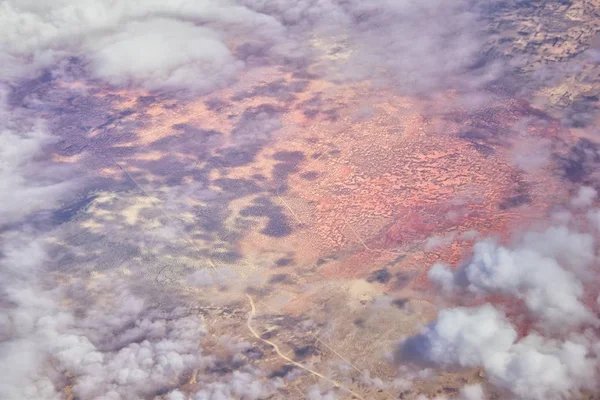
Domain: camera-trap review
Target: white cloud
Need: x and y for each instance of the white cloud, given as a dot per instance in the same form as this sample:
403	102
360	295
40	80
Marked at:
195	46
421	45
532	272
537	368
402	383
149	351
585	197
437	241
163	54
28	184
530	368
315	393
442	275
155	45
572	249
546	350
461	336
472	392
103	340
425	45
240	385
176	395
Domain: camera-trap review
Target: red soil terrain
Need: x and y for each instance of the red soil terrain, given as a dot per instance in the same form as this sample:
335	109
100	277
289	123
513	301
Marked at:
401	177
367	190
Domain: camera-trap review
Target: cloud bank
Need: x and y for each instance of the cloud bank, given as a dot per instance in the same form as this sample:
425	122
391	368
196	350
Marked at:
197	46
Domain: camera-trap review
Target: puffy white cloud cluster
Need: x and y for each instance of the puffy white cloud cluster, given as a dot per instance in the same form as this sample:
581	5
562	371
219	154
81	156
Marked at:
103	341
119	348
585	197
162	53
472	392
544	270
240	385
199	45
532	367
548	348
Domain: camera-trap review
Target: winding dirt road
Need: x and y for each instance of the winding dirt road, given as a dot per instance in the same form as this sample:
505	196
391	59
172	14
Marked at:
251	316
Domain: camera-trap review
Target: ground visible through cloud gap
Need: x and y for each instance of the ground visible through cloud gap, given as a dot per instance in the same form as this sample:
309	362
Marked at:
266	199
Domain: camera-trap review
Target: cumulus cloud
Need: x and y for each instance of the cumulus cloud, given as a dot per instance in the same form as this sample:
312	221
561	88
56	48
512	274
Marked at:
241	385
415	43
585	197
542	271
546	349
163	54
472	392
104	341
29	183
119	348
402	383
531	368
169	350
463	337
